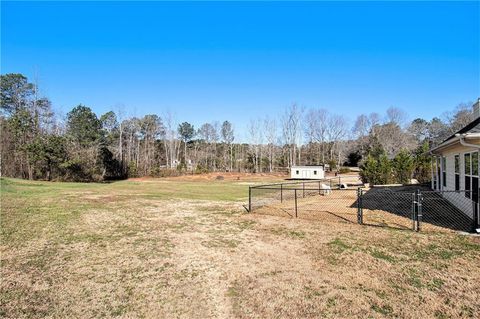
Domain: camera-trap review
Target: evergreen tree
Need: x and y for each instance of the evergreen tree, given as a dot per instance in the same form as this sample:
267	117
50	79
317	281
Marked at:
83	126
403	167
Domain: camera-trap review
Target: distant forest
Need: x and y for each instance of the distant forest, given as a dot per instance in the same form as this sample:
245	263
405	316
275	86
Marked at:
36	143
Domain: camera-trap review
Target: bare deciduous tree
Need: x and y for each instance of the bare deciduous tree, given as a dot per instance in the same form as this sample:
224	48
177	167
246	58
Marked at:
317	127
228	138
396	115
291	130
337	130
271	139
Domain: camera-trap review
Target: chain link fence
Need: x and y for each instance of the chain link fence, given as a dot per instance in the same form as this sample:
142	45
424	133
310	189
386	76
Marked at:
384	207
448	209
404	207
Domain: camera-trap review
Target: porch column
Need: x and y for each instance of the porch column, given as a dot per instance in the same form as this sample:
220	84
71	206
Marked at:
432	170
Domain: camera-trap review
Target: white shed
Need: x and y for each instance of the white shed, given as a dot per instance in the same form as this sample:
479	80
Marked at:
307	172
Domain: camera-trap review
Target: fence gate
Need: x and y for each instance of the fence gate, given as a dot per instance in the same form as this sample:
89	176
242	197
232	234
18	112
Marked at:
386	208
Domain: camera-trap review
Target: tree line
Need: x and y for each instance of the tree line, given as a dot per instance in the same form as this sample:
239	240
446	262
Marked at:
36	143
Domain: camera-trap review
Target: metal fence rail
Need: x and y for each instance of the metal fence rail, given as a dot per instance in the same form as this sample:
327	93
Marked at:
396	207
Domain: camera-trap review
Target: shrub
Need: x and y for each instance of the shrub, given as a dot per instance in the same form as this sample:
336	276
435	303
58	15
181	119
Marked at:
377	170
385	170
403	166
200	169
332	164
423	162
353	159
132	170
74	170
165	172
369	170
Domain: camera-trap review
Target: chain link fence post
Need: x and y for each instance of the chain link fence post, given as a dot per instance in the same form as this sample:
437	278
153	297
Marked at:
296	213
281	193
414	211
249	199
419	210
475	207
474	217
359	206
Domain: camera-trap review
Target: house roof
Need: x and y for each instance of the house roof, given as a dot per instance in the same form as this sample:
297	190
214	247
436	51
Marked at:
473	127
470	130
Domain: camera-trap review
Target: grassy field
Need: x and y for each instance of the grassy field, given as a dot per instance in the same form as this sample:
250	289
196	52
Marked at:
173	248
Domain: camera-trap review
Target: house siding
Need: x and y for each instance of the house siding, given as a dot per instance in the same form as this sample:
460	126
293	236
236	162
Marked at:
459	200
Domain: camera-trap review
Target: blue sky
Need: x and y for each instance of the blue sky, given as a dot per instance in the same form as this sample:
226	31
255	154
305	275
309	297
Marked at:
215	61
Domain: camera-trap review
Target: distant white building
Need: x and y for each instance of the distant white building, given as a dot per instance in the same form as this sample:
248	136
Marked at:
307	172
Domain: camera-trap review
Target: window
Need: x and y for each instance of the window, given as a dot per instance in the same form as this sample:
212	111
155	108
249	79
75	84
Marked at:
314	172
467	186
475	189
444	171
457	172
297	172
471	175
467	163
475	163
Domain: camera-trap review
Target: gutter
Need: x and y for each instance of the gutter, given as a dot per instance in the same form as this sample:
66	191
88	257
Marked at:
461	138
444	144
457	138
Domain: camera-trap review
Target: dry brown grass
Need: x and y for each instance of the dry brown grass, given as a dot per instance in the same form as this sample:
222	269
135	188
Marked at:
137	256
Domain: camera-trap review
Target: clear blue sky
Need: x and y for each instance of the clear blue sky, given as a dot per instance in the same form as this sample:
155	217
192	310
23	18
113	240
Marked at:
236	61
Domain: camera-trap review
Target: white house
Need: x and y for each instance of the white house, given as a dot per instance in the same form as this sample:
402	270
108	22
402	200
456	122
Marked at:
307	172
456	165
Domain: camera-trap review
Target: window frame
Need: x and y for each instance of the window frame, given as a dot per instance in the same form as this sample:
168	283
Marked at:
470	175
444	171
456	160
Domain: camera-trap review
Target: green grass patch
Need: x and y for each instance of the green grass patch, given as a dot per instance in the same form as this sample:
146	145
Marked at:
338	245
385	310
295	234
382	255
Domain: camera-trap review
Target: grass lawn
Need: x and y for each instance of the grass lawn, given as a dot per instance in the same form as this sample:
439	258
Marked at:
173	248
